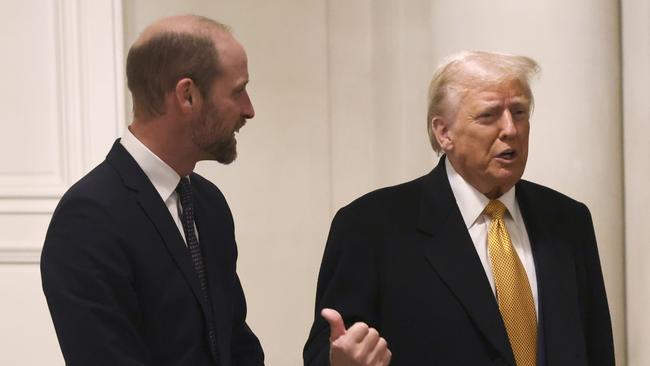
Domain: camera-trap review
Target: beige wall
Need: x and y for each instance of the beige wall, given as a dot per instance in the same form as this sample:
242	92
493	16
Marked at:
636	102
62	106
339	89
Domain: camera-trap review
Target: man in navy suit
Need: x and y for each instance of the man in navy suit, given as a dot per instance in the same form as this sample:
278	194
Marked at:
468	265
139	262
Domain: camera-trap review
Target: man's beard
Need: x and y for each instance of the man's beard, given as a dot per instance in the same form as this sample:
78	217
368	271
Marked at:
224	151
206	134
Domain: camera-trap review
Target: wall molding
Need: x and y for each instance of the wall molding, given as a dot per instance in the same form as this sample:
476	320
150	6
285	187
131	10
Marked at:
21	206
85	55
20	253
89	101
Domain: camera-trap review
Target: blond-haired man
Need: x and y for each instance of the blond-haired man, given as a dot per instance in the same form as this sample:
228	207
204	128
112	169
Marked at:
468	265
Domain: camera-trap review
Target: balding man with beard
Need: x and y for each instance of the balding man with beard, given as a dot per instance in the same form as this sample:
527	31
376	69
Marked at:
138	265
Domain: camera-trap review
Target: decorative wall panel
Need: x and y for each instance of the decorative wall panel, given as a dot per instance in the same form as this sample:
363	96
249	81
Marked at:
64	105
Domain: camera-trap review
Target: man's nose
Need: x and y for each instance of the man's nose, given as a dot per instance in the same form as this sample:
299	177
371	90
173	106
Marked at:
508	128
248	111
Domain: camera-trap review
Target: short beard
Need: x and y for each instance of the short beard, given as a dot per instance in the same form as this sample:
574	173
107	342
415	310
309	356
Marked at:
224	152
221	148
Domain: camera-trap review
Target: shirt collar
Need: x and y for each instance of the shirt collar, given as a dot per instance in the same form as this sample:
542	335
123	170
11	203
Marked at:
470	201
162	176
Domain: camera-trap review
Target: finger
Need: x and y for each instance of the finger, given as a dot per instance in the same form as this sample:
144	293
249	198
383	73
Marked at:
387	357
357	332
369	342
337	327
380	352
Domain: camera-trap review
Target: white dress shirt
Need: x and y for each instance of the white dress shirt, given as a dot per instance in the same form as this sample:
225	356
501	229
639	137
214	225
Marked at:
471	204
163	177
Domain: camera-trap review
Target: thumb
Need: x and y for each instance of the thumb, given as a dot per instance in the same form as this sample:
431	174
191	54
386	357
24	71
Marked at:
337	327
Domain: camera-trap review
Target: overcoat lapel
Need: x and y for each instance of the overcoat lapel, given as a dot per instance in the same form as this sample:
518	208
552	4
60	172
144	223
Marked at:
556	275
153	206
450	251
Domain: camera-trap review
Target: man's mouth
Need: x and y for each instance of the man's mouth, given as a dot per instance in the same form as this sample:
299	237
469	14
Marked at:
508	154
241	124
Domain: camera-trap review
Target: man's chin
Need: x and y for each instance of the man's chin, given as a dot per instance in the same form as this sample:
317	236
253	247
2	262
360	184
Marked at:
227	159
223	155
507	180
507	172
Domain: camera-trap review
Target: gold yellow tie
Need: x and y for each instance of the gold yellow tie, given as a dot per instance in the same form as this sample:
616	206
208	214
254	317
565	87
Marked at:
513	290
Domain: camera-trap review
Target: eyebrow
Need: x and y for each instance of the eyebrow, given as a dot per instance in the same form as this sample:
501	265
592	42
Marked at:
520	100
487	105
515	101
241	84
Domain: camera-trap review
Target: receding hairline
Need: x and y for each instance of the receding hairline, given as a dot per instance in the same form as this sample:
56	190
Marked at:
169	49
181	24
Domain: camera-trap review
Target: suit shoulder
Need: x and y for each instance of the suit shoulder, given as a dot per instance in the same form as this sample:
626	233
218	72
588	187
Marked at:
98	198
548	196
88	213
387	199
101	185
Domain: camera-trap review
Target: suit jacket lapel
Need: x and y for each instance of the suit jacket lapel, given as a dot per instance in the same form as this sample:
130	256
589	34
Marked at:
555	271
153	206
451	253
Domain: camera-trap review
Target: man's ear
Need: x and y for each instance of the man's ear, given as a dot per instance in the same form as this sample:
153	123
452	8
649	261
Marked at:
440	128
187	96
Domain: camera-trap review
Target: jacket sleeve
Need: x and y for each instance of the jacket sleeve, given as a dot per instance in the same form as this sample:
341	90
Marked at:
88	285
246	348
595	310
347	282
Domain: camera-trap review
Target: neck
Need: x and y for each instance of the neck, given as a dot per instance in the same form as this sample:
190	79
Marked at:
493	194
166	143
491	190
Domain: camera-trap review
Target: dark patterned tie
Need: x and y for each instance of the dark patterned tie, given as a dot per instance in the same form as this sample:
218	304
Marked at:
184	190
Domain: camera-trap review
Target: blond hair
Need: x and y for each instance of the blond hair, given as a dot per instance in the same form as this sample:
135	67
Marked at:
463	71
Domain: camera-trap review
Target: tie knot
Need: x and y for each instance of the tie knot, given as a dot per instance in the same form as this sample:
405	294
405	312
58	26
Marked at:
495	209
184	190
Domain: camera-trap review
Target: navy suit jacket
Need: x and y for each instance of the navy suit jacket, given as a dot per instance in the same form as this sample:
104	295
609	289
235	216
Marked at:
120	283
402	260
